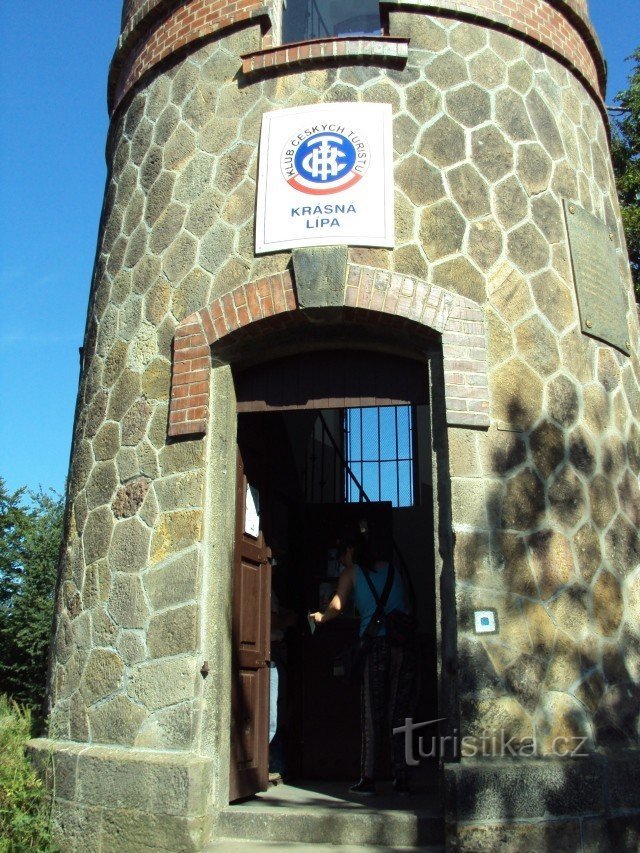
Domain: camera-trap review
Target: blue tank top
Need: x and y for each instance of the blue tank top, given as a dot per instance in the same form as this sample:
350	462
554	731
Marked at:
366	603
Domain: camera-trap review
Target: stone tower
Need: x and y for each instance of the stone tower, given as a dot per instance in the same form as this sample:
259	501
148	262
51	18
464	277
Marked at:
508	273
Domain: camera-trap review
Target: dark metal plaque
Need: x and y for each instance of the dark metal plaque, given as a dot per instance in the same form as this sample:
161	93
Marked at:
601	299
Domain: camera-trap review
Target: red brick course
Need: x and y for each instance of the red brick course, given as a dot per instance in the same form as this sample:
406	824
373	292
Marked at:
559	26
369	294
134	8
393	50
141	51
155	29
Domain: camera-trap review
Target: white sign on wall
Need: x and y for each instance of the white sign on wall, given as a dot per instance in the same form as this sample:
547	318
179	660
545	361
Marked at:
252	512
485	621
326	177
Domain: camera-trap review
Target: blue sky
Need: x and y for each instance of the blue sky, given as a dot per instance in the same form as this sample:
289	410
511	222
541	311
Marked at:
53	125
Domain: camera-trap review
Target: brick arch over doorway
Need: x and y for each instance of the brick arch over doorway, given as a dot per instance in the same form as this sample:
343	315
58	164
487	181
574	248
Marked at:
369	291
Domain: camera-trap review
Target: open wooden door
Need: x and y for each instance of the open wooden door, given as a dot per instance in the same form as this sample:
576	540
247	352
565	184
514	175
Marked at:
249	772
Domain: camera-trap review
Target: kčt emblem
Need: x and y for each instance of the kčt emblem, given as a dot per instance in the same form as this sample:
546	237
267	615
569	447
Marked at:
325	159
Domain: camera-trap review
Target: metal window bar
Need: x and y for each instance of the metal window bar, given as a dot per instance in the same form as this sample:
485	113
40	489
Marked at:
379	437
379	446
370	446
364	498
315	24
361	446
396	436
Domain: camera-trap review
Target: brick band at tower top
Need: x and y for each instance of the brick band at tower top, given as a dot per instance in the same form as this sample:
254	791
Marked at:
154	30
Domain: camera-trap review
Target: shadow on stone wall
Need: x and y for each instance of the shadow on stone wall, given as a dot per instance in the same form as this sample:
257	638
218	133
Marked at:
553	549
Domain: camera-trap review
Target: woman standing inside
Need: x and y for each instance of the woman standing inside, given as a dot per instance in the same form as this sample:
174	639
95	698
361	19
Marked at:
388	680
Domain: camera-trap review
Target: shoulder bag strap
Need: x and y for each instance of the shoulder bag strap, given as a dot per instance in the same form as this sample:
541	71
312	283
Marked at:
381	601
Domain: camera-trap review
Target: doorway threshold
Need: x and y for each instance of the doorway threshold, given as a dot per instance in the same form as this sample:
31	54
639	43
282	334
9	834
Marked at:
317	812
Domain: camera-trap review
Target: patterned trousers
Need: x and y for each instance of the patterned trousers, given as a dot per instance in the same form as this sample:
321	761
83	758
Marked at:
388	696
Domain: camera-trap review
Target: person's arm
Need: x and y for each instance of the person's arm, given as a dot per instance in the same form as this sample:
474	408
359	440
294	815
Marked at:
339	600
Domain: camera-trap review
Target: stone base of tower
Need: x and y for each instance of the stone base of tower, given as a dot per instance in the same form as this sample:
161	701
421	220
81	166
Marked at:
562	804
116	799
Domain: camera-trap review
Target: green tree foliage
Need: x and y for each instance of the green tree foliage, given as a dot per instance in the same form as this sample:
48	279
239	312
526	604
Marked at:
30	536
626	164
24	818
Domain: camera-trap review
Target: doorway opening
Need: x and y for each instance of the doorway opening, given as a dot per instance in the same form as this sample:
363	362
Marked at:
329	444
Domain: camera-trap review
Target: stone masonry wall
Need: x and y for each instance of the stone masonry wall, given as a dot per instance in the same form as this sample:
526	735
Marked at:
489	136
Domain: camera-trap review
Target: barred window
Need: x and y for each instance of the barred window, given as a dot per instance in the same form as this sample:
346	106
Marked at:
379	452
312	19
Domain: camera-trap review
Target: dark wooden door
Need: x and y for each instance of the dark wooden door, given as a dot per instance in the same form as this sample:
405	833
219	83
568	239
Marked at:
251	630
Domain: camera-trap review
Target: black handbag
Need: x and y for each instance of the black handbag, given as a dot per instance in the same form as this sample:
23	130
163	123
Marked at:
349	664
401	627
